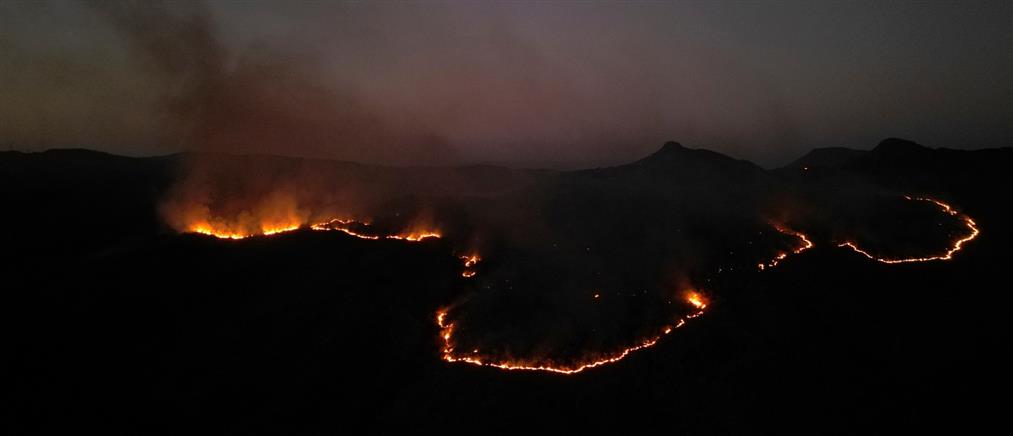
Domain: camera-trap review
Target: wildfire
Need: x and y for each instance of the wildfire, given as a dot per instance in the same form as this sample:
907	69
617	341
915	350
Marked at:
972	227
469	262
415	237
805	245
208	229
346	226
693	298
342	225
696	300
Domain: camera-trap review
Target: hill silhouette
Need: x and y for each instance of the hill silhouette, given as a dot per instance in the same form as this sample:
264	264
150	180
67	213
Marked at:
119	321
833	157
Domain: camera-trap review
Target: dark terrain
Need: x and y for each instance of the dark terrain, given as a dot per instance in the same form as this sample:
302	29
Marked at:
117	322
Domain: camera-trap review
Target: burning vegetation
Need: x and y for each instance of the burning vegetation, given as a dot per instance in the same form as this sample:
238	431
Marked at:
469	265
290	218
972	232
364	230
345	226
474	356
804	245
551	259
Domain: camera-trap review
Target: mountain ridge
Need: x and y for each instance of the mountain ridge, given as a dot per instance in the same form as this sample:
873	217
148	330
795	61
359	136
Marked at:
670	152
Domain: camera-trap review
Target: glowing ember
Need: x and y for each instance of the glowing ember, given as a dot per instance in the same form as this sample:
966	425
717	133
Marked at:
972	227
805	245
470	261
447	330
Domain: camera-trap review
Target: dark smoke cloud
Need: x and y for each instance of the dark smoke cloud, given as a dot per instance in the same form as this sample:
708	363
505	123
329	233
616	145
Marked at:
260	101
257	101
407	84
570	84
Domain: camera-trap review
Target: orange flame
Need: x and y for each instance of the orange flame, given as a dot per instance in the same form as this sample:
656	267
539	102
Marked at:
342	225
972	227
692	298
345	226
447	329
805	245
469	262
415	236
225	233
697	300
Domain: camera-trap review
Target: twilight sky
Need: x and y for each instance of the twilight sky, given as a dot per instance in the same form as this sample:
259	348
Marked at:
563	84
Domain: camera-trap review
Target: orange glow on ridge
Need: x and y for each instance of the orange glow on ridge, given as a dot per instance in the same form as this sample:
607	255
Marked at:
345	226
805	245
972	227
224	233
447	329
337	224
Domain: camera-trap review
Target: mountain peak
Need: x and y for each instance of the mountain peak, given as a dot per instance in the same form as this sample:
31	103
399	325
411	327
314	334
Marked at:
673	155
668	150
898	145
671	146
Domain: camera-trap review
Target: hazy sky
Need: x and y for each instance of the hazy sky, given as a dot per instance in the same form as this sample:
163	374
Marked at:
577	83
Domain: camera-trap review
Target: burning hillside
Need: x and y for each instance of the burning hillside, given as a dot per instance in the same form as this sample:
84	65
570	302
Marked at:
591	360
971	233
527	306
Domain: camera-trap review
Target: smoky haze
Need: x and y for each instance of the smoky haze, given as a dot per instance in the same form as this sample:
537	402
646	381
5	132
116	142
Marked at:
556	84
